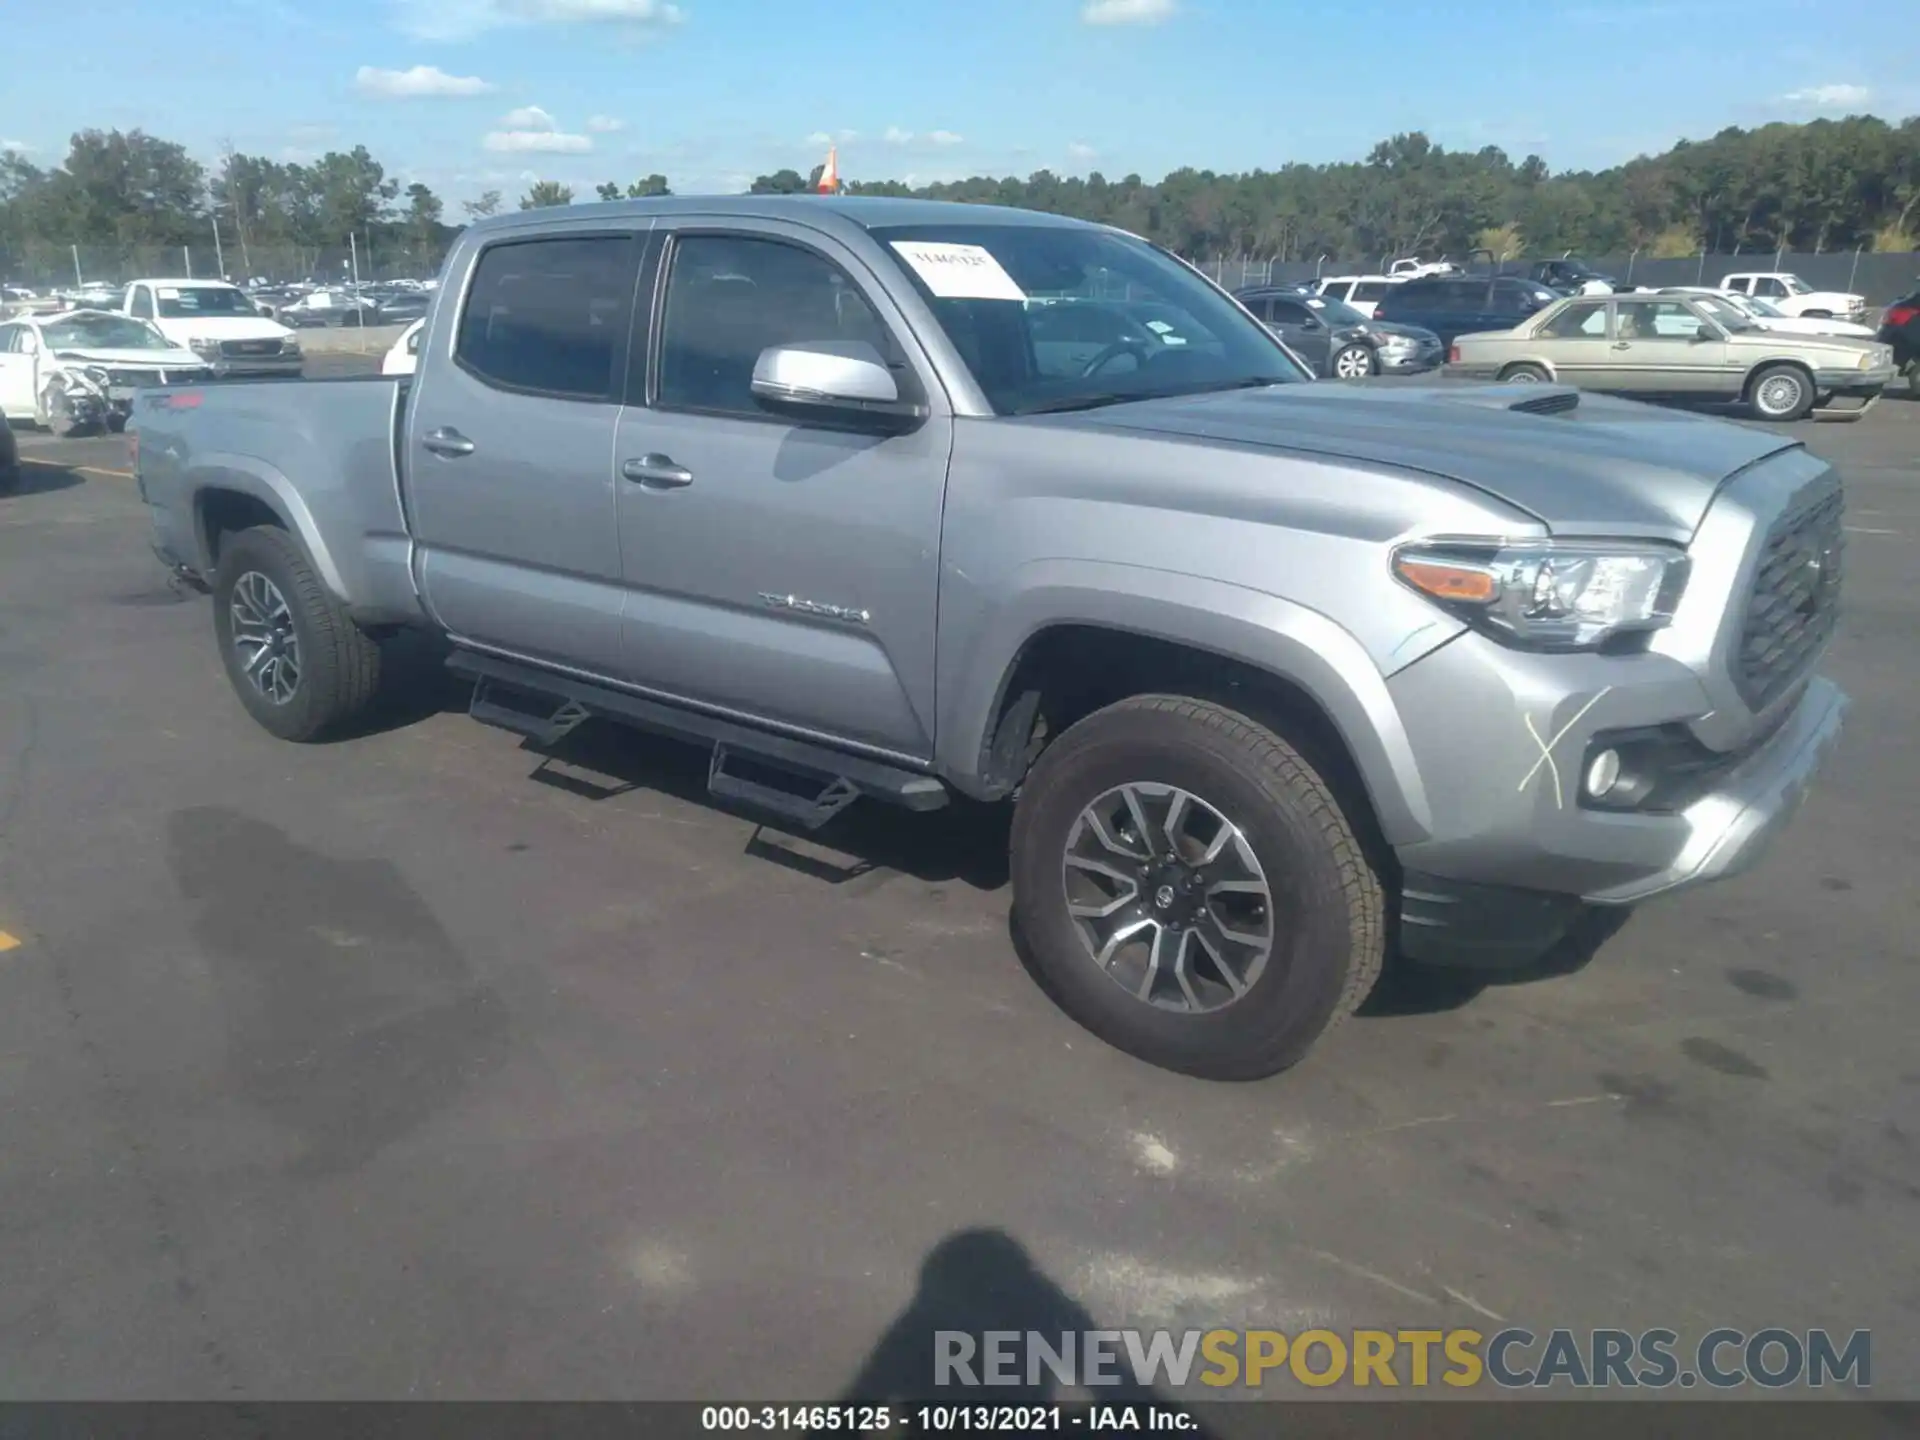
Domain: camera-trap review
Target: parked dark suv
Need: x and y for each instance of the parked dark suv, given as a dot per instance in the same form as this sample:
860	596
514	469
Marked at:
1455	305
1900	328
9	459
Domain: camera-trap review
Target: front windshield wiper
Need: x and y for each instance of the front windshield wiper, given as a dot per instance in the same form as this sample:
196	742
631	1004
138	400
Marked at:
1094	402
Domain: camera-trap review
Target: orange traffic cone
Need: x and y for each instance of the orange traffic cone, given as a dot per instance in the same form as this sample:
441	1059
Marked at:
830	174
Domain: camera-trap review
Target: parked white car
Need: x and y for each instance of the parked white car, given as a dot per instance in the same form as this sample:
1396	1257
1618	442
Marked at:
78	370
1414	268
1794	296
1362	292
405	353
219	323
1769	316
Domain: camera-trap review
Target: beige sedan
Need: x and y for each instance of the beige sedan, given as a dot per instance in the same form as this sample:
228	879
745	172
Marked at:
1678	347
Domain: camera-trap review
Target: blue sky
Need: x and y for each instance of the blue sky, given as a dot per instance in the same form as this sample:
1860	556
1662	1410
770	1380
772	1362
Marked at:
488	94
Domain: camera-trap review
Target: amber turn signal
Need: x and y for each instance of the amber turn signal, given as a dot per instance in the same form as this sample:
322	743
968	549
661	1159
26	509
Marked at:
1458	584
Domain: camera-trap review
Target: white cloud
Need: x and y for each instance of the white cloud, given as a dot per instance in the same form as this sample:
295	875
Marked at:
527	117
1830	97
604	124
945	137
541	142
460	19
1127	12
896	136
17	147
421	81
1080	150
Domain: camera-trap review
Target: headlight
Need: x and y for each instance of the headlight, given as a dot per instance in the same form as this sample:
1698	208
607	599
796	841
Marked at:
289	346
1548	595
201	345
1868	361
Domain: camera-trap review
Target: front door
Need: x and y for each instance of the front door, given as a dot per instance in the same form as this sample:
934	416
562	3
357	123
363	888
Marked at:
775	570
16	372
1659	349
1302	331
509	448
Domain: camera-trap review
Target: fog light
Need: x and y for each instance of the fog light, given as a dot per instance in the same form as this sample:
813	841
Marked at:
1603	773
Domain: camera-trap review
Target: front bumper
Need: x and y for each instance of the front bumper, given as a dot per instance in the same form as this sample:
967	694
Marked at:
256	367
1412	362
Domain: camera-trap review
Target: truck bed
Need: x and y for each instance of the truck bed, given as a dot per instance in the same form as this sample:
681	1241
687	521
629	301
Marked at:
320	455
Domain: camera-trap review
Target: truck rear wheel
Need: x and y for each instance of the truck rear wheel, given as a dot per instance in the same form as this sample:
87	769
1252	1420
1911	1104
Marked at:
1190	890
294	656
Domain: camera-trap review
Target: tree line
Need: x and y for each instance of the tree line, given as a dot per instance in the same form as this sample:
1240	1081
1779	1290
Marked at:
1820	186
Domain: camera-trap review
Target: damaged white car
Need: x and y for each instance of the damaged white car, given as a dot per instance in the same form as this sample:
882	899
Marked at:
77	372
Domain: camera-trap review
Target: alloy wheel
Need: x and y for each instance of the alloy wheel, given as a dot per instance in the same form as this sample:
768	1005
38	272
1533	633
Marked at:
1169	899
264	639
1778	395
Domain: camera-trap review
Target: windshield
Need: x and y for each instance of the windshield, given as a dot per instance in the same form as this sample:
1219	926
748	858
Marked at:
1061	318
202	300
1725	311
103	332
1335	312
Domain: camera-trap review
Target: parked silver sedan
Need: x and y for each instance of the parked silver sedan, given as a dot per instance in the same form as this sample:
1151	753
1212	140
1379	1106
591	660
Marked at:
1679	347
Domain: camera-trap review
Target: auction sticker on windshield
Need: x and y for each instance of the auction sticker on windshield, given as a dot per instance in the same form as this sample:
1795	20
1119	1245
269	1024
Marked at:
959	272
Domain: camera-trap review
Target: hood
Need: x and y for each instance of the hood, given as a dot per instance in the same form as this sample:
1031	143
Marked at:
1411	332
1581	464
1846	347
223	327
134	359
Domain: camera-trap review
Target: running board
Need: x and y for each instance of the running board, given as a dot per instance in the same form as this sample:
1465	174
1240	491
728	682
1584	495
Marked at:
795	781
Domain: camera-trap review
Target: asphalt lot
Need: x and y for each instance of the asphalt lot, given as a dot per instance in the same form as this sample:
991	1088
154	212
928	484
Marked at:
415	1066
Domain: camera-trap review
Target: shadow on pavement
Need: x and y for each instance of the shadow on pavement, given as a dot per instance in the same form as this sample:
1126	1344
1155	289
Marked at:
965	841
41	477
1406	988
972	1282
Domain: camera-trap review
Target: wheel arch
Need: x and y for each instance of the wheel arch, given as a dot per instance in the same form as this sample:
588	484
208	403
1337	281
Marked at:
1772	362
1534	361
233	493
1057	655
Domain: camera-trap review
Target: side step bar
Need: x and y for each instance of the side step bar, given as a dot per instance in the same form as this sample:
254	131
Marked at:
794	781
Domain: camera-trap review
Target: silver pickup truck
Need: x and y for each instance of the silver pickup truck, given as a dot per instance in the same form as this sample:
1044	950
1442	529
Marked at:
911	502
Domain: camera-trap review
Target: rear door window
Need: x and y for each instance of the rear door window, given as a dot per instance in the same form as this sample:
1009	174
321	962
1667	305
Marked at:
551	316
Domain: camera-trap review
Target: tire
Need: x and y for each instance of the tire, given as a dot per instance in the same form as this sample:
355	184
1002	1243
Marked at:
337	666
1816	314
1781	392
1354	362
9	479
1325	919
1525	375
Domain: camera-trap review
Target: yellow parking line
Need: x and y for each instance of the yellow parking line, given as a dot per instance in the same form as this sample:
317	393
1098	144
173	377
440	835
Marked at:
83	469
9	942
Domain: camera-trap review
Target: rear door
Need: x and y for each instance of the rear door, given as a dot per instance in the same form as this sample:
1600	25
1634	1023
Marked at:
509	448
776	570
1575	342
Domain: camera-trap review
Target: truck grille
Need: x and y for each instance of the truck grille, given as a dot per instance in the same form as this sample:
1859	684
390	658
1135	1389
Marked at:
249	347
1795	601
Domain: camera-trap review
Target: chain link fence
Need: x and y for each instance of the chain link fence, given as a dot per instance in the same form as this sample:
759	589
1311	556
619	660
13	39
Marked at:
49	265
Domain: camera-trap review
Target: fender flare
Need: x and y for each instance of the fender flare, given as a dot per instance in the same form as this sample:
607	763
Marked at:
1289	641
255	478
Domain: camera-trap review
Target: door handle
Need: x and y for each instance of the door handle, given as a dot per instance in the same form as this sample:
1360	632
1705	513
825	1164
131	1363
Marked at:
1623	344
448	442
658	472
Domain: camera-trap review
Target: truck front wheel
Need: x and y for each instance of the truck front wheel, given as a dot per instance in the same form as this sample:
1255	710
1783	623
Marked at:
1191	891
297	661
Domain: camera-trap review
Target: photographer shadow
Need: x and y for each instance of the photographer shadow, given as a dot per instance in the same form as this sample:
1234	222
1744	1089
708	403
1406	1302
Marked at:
971	1283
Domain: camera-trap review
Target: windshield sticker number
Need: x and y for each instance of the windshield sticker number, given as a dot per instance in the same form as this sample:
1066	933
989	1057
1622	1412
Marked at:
959	272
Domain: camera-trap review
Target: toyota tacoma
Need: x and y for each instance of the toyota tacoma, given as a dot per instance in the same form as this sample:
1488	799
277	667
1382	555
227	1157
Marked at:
1279	677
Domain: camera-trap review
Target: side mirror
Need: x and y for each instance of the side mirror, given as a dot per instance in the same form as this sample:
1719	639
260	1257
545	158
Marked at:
840	383
1706	332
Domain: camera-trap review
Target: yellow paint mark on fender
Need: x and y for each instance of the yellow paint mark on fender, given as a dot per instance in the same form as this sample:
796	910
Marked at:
9	942
83	469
